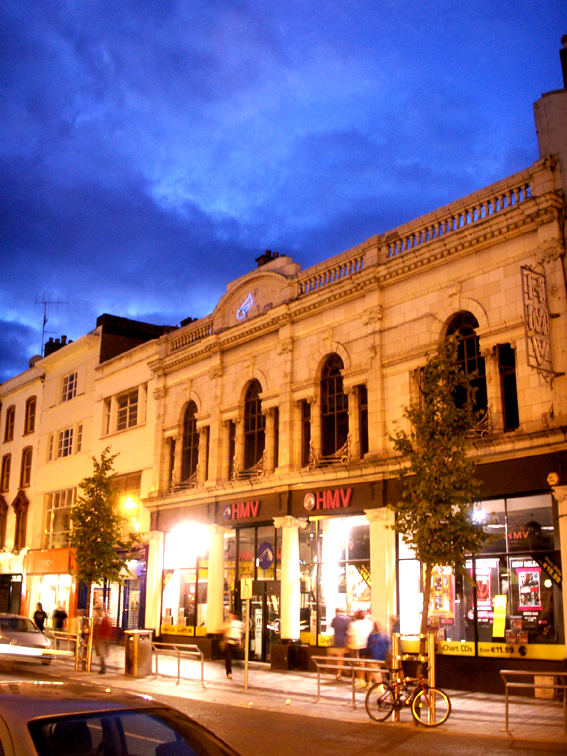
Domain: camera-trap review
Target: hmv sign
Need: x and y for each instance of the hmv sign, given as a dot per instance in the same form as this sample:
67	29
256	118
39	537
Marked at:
337	498
241	510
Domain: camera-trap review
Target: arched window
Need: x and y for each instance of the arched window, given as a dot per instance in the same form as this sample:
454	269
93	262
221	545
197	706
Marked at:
254	426
190	449
20	506
464	326
334	406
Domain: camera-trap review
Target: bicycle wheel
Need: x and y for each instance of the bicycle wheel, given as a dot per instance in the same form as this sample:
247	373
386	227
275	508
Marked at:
380	702
431	707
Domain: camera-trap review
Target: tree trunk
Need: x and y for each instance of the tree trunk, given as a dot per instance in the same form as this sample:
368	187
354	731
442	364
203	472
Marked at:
425	609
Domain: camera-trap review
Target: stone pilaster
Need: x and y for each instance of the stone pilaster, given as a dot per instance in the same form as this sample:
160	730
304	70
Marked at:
290	602
382	565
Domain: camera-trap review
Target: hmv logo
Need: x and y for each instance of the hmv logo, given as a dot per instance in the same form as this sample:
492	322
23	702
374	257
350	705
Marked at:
337	498
241	510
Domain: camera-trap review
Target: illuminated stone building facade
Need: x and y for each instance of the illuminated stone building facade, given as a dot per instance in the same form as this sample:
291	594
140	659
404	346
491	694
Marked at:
257	438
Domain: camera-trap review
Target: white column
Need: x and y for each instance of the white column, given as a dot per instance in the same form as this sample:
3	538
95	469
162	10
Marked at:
154	580
560	494
215	586
382	565
290	600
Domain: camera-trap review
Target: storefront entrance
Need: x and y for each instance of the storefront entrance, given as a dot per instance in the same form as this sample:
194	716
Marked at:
264	619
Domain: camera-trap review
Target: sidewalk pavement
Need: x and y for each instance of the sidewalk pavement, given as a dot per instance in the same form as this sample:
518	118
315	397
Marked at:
536	720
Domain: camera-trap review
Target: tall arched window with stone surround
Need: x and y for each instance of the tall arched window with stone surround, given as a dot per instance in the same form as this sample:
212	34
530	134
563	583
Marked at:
254	425
190	449
464	325
334	406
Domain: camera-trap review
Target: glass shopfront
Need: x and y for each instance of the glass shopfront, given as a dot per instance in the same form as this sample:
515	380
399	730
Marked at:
185	579
334	557
257	552
248	552
509	594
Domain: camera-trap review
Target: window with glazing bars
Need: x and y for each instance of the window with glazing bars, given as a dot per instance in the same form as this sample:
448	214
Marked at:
254	425
127	410
334	406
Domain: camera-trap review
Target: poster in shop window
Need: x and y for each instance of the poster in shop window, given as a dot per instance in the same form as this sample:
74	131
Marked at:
529	587
442	600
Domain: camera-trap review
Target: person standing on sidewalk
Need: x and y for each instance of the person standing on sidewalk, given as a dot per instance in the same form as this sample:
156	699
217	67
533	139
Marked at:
232	632
102	627
340	624
39	617
58	618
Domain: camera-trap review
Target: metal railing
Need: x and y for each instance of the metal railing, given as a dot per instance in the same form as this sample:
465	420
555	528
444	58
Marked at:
517	682
185	651
345	664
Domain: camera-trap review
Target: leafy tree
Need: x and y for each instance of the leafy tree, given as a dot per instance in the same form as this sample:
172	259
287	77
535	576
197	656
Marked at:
97	529
434	514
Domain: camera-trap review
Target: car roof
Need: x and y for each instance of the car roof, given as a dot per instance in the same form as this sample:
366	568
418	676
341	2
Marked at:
29	699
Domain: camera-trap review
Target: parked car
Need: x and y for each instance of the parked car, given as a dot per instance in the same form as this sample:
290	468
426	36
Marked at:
20	639
52	718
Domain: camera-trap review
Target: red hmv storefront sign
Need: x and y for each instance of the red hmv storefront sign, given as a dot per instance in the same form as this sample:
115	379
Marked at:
337	498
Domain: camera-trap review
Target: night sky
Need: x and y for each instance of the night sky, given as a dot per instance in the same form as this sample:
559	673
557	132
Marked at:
152	149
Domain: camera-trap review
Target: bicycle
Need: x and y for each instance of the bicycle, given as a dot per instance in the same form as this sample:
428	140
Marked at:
430	706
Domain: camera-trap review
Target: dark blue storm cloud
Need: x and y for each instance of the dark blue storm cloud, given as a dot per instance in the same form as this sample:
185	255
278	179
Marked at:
151	150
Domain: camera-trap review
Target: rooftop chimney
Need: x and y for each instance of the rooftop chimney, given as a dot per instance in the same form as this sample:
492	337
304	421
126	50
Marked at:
267	257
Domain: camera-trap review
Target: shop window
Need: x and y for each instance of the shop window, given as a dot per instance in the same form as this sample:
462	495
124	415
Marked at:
69	387
185	577
511	592
254	426
190	447
25	471
9	424
29	421
335	571
266	553
334	406
363	418
229	588
5	474
464	326
58	506
3	523
246	544
508	388
305	431
20	506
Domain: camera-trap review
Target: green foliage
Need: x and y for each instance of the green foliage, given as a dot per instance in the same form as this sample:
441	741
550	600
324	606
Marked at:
434	516
96	528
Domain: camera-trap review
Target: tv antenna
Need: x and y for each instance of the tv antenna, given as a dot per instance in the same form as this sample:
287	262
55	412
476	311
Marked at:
46	303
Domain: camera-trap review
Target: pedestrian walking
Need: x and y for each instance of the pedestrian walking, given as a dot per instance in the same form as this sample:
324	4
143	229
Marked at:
357	638
58	619
377	648
102	627
232	639
340	624
39	616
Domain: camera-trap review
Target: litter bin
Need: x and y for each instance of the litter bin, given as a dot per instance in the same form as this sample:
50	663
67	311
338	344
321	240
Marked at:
138	652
